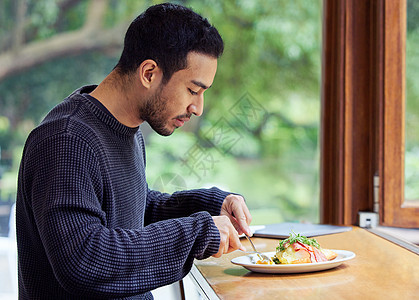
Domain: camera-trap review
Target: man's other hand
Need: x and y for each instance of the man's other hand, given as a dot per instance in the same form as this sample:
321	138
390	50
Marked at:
229	239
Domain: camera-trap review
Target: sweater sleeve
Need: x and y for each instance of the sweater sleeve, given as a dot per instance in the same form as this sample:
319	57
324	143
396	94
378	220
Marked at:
88	257
162	206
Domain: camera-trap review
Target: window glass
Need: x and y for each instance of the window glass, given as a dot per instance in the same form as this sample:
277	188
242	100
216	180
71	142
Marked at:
259	132
412	103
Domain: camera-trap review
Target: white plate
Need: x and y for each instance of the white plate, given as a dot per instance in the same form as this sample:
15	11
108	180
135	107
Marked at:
247	262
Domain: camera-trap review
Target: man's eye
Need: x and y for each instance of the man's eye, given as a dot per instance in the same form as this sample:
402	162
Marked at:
192	92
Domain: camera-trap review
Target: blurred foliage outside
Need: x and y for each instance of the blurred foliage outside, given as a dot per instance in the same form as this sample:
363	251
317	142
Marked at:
412	102
258	135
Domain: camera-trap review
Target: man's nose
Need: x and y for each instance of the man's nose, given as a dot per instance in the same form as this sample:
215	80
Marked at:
197	107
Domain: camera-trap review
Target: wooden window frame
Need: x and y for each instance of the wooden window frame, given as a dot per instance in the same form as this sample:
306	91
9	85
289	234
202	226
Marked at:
362	122
395	210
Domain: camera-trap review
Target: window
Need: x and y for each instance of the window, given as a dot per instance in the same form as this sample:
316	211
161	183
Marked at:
396	210
363	112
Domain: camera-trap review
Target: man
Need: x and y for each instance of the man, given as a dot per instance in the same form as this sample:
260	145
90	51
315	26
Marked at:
88	226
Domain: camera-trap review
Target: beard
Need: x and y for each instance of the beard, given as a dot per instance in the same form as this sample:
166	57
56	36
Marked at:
154	113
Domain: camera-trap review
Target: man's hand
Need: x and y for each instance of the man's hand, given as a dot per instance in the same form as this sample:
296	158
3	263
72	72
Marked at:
229	240
234	207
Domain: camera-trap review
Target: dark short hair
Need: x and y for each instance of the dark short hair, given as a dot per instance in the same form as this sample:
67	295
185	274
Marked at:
166	33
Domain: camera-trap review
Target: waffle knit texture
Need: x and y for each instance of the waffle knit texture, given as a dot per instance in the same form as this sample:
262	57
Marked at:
87	224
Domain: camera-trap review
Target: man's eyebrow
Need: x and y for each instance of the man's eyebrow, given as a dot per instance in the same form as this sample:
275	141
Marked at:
200	84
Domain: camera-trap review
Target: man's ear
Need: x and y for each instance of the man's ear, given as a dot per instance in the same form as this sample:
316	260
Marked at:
149	73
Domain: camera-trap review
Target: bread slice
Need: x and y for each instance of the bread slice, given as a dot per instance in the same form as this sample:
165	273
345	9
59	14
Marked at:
330	254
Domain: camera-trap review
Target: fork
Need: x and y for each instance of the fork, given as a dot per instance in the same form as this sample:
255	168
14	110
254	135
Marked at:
262	256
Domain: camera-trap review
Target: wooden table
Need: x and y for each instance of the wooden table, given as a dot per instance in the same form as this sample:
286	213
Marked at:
380	270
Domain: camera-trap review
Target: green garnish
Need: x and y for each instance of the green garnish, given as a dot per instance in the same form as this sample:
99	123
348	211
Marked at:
297	238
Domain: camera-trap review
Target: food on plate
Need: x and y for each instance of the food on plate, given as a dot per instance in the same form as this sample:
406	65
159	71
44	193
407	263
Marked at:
265	261
298	249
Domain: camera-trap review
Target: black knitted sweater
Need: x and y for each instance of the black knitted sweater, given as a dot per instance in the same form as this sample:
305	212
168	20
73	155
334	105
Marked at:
87	224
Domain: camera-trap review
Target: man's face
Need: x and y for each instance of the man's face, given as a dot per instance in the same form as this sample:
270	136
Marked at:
174	102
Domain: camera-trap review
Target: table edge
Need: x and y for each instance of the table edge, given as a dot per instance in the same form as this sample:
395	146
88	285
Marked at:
202	284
